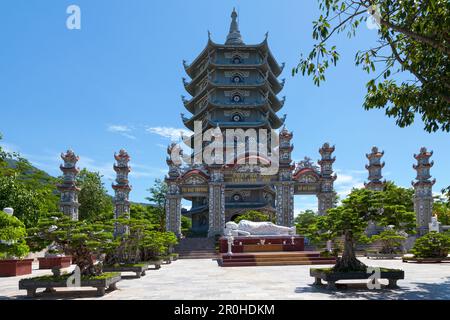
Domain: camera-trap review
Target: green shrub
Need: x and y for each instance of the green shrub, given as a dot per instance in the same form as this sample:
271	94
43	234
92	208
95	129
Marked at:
390	240
253	215
12	237
432	245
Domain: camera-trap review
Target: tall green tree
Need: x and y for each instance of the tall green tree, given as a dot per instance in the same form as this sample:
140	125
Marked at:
158	199
410	61
441	208
304	220
95	203
28	204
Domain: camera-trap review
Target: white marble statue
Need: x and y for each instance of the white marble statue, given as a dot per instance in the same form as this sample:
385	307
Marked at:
434	224
250	228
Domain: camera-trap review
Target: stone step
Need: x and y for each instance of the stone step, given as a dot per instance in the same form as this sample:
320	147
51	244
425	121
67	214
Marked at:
264	259
275	263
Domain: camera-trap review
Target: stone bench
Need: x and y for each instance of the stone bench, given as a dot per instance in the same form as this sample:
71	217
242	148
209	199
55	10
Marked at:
332	277
31	285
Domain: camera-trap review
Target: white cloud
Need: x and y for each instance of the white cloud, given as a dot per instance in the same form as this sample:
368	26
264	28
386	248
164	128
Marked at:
347	180
122	130
173	134
143	171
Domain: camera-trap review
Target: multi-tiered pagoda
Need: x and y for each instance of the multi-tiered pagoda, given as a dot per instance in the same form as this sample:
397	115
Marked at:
423	193
69	191
122	189
235	86
374	167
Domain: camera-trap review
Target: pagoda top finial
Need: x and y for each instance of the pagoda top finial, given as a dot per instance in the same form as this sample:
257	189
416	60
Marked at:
234	36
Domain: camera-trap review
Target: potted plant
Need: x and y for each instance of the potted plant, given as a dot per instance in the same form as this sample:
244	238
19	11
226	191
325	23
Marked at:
125	255
13	247
391	244
42	236
350	221
432	247
80	240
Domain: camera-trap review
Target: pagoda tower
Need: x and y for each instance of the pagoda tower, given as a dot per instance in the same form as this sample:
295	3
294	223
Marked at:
122	189
374	168
234	105
327	195
233	86
69	191
423	194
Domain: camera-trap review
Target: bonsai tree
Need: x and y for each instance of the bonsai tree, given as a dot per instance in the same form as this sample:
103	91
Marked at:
391	241
79	239
351	219
156	244
127	248
12	237
432	245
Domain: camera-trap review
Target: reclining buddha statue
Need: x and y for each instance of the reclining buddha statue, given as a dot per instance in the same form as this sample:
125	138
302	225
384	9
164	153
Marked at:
250	228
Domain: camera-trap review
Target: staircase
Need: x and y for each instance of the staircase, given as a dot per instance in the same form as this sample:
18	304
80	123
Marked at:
196	248
274	259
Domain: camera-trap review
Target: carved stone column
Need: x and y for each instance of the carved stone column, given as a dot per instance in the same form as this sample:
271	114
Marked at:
285	203
216	203
423	193
173	210
327	194
325	202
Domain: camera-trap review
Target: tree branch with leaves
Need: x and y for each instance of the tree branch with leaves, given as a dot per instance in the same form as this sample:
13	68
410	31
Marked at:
412	53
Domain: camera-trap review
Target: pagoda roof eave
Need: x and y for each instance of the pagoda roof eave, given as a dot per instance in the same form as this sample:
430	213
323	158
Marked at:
242	124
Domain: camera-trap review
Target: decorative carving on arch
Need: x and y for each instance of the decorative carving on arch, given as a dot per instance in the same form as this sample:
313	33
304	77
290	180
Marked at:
306	175
195	177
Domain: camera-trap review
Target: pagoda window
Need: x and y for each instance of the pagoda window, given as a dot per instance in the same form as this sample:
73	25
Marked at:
237	197
237	98
237	60
237	79
236	117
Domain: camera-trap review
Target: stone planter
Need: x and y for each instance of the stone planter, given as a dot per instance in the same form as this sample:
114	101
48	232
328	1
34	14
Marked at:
31	285
55	262
157	263
331	277
376	255
139	269
15	267
425	260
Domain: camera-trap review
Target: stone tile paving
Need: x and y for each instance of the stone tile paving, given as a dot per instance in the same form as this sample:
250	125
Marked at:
204	279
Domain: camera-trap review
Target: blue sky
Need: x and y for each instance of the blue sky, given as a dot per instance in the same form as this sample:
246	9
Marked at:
116	83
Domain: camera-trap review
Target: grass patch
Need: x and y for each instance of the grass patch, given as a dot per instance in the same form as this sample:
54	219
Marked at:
65	276
127	265
330	270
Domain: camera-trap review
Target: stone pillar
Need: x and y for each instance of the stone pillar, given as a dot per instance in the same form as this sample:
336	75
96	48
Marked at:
325	202
122	190
375	166
173	210
326	195
423	194
375	183
68	203
173	196
285	203
216	203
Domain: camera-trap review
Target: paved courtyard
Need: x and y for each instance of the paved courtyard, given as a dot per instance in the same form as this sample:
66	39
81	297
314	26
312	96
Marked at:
203	279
